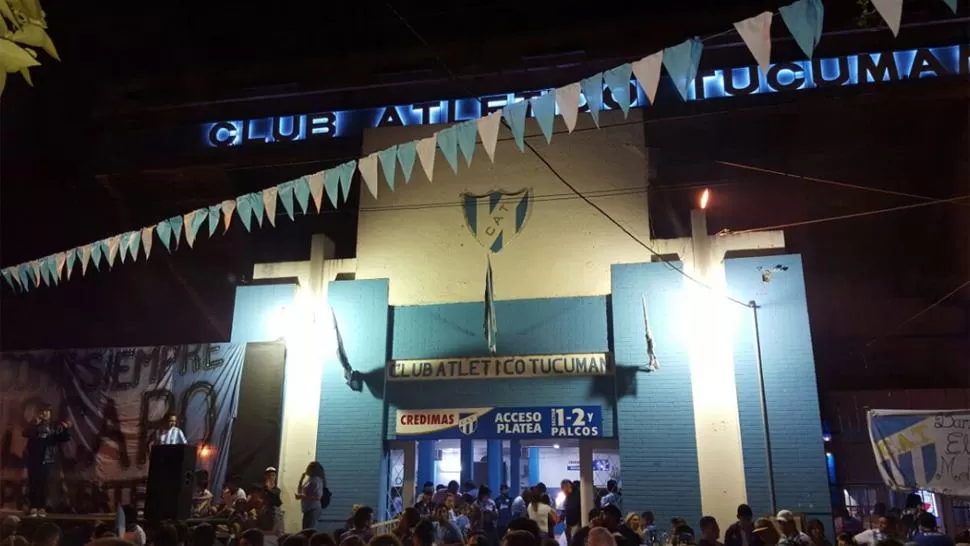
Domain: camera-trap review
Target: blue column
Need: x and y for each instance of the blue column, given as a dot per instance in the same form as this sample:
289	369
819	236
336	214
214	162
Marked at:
495	465
515	450
467	461
426	463
533	466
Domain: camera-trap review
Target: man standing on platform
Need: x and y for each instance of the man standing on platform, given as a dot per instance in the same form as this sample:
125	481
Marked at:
169	434
42	441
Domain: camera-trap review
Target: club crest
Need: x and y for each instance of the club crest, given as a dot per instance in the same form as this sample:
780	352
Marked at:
496	217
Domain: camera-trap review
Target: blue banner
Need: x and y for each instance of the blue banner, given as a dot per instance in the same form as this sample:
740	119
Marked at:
501	423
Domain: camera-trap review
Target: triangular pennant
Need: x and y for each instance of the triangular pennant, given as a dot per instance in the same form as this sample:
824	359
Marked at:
146	240
8	276
35	271
368	171
45	270
425	148
176	223
113	243
952	4
315	183
647	71
85	255
244	208
448	143
488	130
593	91
544	110
388	157
891	12
228	206
756	33
405	156
164	231
346	171
467	133
681	61
212	216
23	273
514	115
285	191
804	21
257	203
53	273
269	203
618	81
123	248
134	241
332	184
96	255
567	97
69	262
59	260
193	223
301	190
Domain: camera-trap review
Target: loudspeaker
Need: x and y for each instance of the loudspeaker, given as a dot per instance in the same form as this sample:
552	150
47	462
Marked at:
171	482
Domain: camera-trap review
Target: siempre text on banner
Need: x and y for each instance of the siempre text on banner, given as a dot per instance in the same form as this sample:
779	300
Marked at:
502	367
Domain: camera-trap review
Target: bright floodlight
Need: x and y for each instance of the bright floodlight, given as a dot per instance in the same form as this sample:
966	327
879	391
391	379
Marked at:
705	197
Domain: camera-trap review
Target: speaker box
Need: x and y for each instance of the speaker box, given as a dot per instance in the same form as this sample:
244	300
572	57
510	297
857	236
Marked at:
171	481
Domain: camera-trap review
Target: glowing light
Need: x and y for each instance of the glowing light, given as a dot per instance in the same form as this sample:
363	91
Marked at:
205	451
555	446
705	198
826	437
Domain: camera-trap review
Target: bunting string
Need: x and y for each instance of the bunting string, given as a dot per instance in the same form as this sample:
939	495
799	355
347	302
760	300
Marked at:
803	19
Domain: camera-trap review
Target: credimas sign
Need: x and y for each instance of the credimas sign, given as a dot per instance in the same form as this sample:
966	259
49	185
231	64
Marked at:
849	70
500	367
501	423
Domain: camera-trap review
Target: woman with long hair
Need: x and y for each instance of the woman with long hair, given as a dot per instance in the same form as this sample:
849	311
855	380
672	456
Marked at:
542	514
311	487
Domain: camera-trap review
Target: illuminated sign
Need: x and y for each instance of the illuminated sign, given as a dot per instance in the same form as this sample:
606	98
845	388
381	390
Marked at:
859	69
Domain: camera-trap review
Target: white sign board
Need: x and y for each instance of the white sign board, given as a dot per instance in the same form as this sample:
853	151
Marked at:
500	367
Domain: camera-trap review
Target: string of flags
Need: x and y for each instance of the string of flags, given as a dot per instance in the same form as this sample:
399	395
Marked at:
803	19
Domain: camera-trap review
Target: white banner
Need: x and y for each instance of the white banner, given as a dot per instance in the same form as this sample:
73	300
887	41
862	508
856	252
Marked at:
922	449
500	367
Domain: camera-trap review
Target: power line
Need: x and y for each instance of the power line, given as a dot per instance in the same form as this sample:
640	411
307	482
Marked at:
918	314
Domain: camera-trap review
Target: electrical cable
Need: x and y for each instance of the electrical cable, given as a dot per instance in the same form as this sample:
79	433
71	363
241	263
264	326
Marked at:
918	314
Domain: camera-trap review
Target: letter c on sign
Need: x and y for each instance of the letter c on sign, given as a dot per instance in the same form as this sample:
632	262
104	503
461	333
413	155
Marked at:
222	134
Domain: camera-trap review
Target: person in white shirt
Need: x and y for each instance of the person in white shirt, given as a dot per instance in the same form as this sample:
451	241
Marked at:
871	537
543	515
169	434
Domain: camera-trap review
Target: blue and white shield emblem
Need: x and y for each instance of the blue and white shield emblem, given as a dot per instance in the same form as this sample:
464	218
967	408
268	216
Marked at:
497	217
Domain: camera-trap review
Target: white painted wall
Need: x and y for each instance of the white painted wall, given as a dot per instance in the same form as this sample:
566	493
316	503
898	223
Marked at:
416	236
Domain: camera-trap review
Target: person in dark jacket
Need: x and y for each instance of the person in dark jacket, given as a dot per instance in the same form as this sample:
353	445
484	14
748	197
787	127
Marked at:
43	437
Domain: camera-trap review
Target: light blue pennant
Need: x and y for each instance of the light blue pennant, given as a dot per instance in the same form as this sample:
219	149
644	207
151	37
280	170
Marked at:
71	258
259	208
285	193
164	231
467	133
23	273
544	109
244	208
213	215
448	144
301	189
952	4
593	91
44	270
96	253
388	157
8	276
176	223
331	184
514	115
123	245
52	269
681	61
804	21
618	80
346	177
405	156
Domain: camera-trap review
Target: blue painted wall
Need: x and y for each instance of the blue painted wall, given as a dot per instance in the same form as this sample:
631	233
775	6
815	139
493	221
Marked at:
655	414
541	326
349	437
794	423
254	311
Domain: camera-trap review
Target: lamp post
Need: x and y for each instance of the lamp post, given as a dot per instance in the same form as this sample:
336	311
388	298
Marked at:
764	407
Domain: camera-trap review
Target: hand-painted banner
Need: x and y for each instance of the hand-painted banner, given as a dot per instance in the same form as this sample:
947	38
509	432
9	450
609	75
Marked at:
116	399
922	449
501	423
500	367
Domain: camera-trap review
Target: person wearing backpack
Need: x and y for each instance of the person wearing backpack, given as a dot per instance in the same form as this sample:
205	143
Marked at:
313	494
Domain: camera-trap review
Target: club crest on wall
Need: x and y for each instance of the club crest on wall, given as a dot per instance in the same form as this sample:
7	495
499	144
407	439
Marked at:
496	217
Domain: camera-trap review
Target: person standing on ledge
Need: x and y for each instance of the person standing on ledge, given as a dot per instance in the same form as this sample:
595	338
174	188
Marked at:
170	433
42	441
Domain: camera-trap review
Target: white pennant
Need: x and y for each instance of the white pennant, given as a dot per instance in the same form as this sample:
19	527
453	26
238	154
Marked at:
647	71
891	11
756	33
488	130
187	222
35	268
567	97
59	259
368	171
269	203
113	244
426	148
132	249
228	207
85	256
146	240
315	181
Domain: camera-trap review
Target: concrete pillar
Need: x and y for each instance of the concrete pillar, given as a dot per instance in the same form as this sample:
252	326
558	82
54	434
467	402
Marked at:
427	465
533	466
586	487
467	461
515	454
410	472
495	465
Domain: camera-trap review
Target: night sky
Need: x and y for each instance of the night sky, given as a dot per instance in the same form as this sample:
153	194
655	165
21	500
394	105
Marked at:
66	179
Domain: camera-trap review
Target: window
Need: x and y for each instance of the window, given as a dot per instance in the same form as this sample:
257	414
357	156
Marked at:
859	500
